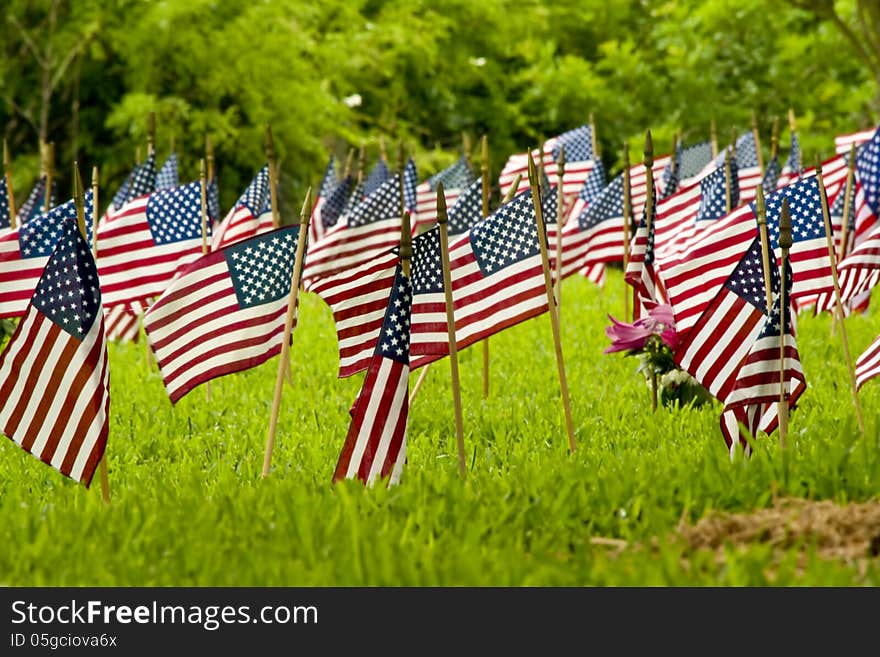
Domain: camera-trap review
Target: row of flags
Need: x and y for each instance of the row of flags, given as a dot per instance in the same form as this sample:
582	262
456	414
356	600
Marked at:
213	295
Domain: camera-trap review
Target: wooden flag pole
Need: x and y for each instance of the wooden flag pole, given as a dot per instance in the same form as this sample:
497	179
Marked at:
785	242
548	286
484	171
79	201
713	136
209	156
362	163
792	124
204	183
757	136
10	197
382	153
95	212
151	134
765	245
349	158
593	137
450	327
273	183
466	147
284	358
50	172
627	223
774	139
826	215
649	220
847	200
560	211
728	192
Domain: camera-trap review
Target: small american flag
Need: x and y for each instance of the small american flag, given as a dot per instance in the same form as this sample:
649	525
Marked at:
749	173
497	281
691	161
54	377
4	205
328	209
25	251
144	179
225	313
148	241
330	179
378	176
868	363
375	446
754	399
713	194
640	273
791	170
772	175
843	143
168	175
671	177
36	202
121	323
370	229
410	183
251	214
596	235
121	195
455	178
357	298
468	209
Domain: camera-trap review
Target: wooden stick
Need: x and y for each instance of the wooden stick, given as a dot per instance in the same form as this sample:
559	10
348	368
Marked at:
765	246
382	153
627	223
284	357
466	149
95	212
362	163
560	210
80	203
847	200
273	183
484	171
713	136
418	385
209	156
649	220
203	178
757	135
548	286
774	139
349	159
50	172
785	242
10	197
792	124
728	192
849	364
450	327
594	137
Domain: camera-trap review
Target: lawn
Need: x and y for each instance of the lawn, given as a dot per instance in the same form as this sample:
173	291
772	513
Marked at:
189	507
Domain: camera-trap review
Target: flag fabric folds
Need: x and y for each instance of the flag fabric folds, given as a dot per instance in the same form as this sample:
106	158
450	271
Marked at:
25	251
375	446
456	178
225	313
54	377
168	175
379	174
868	363
148	241
250	216
5	219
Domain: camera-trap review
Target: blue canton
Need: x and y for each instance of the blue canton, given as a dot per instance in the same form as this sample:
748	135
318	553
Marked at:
37	238
694	159
427	271
384	203
4	204
747	279
507	236
607	206
144	179
713	196
457	175
771	175
355	199
379	175
256	197
577	144
671	174
550	206
793	164
410	181
467	209
649	247
330	180
334	205
804	208
175	214
594	184
168	176
213	199
261	268
836	210
393	341
771	324
68	292
121	195
868	172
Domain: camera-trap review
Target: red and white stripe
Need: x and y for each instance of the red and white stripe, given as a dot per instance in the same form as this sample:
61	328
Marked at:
18	276
483	305
843	143
130	264
868	364
121	324
358	298
345	247
198	331
426	204
55	392
239	224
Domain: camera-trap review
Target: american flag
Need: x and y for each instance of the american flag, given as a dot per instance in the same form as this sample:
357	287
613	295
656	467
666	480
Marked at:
121	195
35	202
357	298
378	176
375	446
328	185
4	205
370	229
330	179
25	251
144	179
54	378
772	175
640	273
671	177
121	323
791	170
354	199
497	281
754	399
410	183
455	178
328	209
749	173
467	210
250	216
579	161
148	241
692	161
168	175
868	363
225	313
595	235
213	199
713	194
843	143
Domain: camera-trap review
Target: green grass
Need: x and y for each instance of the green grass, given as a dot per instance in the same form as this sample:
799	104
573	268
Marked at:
190	508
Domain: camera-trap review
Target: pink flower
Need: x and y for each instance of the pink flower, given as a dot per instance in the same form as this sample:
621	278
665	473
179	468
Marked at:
625	337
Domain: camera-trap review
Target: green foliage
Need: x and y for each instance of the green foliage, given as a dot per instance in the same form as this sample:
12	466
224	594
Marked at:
190	507
426	72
